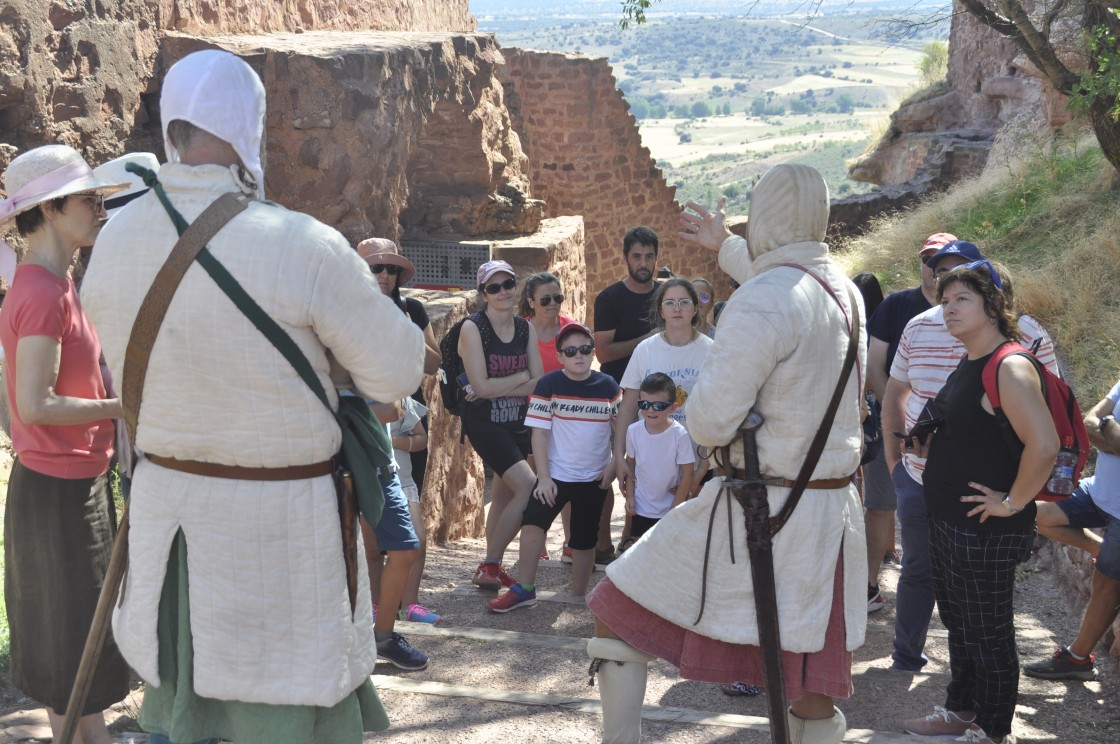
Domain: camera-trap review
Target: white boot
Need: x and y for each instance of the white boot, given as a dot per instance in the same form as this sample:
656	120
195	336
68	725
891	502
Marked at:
818	730
622	688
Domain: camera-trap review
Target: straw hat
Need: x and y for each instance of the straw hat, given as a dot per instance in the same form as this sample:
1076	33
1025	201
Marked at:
384	251
115	171
47	173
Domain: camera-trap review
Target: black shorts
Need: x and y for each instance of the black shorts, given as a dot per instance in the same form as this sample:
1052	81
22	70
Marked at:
640	525
587	501
501	446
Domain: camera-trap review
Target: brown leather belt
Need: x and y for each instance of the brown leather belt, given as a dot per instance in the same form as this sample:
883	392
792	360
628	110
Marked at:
237	472
824	484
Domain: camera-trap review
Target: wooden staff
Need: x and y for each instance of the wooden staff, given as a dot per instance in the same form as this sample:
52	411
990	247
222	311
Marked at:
98	631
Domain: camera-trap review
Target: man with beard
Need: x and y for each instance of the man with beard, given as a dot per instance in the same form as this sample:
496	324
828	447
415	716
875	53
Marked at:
622	321
622	318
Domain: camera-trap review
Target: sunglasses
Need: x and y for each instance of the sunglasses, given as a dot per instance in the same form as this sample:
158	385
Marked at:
705	298
95	201
547	300
683	304
571	351
497	287
390	269
657	405
983	264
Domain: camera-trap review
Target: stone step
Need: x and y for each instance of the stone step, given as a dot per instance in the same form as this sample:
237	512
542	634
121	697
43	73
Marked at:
652	713
870	670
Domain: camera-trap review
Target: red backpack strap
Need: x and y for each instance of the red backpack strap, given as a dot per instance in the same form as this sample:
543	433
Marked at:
991	370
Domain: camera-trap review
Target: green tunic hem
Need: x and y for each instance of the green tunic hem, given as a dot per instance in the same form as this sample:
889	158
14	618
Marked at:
173	708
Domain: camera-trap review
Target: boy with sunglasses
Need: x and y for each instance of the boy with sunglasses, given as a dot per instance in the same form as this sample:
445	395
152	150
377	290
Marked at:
571	414
659	453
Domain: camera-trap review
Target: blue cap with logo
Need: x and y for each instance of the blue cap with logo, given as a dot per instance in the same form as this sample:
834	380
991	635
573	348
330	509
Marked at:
961	248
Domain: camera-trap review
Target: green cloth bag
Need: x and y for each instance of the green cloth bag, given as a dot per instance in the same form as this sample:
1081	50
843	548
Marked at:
367	453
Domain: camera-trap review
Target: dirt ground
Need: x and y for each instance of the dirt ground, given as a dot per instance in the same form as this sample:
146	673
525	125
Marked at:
522	676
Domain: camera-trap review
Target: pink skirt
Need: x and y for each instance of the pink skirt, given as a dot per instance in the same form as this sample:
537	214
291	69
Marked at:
828	671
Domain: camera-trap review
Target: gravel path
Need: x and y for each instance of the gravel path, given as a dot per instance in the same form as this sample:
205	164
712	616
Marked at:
522	676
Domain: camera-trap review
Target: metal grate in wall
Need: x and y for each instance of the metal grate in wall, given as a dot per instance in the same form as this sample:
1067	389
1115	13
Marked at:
445	264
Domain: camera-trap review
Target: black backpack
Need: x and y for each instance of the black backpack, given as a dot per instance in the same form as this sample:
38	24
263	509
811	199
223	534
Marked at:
450	390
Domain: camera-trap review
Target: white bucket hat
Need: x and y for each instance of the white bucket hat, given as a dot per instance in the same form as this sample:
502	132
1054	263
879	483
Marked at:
47	173
219	93
114	170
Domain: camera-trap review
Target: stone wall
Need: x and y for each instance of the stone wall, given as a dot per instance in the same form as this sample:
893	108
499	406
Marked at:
453	487
1074	570
586	157
207	17
370	130
84	74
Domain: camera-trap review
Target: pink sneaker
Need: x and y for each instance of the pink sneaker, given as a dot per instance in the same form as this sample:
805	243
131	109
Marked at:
544	554
940	722
566	554
419	614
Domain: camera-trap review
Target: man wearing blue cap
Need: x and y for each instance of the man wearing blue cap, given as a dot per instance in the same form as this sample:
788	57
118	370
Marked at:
927	354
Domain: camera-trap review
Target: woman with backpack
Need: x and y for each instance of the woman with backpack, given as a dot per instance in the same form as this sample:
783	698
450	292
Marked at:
979	493
501	365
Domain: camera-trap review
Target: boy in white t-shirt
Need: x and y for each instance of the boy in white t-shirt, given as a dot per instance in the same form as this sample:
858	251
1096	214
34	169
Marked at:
572	414
659	453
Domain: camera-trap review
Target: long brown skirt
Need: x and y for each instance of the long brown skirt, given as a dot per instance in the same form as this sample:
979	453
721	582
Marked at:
58	534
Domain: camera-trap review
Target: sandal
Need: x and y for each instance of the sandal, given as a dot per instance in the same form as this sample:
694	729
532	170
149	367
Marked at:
741	689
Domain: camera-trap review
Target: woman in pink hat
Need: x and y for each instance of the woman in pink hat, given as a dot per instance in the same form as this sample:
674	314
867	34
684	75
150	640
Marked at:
59	521
502	363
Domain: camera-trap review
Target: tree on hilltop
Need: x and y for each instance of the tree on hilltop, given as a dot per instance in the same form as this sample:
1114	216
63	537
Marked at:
1030	27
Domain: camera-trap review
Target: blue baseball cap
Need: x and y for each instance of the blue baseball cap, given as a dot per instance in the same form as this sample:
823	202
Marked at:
962	248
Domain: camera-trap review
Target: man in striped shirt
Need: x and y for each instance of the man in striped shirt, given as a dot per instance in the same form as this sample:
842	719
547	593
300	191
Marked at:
927	354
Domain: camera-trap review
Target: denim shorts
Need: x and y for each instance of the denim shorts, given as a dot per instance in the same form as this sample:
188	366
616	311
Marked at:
1082	511
394	530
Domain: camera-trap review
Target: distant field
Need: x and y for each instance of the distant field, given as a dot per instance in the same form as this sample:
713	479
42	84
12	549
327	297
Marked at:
720	99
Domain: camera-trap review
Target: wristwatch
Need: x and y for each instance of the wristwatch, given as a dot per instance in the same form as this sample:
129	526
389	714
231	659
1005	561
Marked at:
1007	505
1106	420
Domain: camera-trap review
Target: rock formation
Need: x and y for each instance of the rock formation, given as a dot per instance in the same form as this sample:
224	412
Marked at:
944	133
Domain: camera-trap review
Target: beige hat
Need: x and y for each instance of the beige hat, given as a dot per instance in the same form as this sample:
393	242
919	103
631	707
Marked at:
47	173
384	251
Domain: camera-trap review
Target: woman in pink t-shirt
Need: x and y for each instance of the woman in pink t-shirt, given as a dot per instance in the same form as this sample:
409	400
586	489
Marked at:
541	299
59	521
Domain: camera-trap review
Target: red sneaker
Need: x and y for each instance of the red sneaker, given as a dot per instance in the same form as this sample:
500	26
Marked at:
489	576
505	578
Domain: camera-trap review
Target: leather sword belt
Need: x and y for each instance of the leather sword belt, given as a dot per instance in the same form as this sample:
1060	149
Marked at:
824	484
237	472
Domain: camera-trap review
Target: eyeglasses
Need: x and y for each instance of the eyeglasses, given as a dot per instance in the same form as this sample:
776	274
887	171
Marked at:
657	405
95	201
390	269
983	264
683	304
497	287
705	298
571	351
547	300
